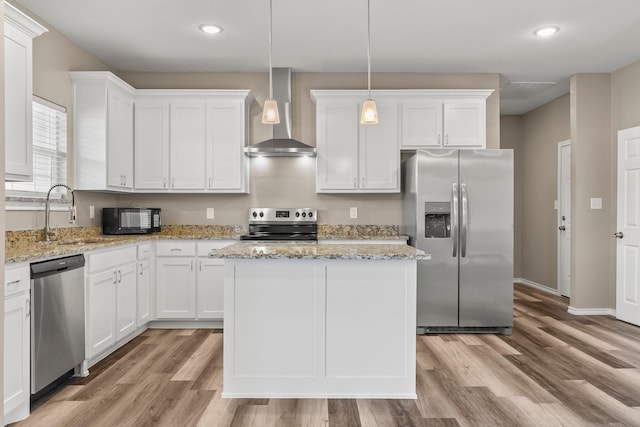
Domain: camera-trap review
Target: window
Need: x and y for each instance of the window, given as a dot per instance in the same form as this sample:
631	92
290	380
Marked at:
49	154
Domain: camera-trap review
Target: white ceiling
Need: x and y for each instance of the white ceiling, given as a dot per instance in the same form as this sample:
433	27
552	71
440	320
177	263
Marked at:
440	36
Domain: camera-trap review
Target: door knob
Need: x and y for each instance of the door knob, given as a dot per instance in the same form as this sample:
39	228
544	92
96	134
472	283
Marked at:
619	235
562	228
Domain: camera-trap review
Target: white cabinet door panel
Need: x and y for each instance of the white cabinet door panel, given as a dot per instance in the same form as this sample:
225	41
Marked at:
144	292
101	312
464	124
380	152
210	288
126	300
421	124
151	144
17	344
225	143
188	140
176	298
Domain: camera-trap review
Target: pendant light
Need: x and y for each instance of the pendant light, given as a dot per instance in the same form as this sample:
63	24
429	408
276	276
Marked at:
270	115
369	110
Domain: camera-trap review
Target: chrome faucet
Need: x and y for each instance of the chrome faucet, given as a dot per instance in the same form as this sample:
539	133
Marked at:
47	211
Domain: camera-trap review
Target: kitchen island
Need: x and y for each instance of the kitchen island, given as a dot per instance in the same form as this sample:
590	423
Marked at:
320	320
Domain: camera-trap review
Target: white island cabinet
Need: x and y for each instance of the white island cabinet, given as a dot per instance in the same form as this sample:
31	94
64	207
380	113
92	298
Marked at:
320	321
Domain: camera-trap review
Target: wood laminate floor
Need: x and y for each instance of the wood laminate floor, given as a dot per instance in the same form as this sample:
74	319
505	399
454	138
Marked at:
555	370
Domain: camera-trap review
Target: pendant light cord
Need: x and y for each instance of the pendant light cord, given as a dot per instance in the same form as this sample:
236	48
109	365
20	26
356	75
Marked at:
270	66
369	47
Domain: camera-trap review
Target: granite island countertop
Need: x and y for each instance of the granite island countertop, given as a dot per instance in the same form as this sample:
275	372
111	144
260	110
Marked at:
296	250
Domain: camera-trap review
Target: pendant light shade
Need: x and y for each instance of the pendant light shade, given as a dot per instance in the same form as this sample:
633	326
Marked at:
369	114
270	115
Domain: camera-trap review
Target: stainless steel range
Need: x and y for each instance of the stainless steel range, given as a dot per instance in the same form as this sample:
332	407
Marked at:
282	224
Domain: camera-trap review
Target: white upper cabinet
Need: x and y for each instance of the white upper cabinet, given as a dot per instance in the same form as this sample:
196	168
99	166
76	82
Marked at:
188	143
19	31
103	129
151	144
444	119
355	158
191	141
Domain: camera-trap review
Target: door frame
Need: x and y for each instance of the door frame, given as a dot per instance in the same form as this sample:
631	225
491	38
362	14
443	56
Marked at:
562	264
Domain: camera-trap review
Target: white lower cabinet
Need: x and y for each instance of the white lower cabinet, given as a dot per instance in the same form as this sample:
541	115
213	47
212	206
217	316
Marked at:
210	279
176	283
144	285
111	298
17	343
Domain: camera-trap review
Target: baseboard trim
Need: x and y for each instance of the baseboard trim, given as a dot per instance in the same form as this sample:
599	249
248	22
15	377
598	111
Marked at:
537	286
591	311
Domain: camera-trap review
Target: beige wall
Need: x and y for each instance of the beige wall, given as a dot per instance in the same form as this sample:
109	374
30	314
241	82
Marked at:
511	137
591	266
541	130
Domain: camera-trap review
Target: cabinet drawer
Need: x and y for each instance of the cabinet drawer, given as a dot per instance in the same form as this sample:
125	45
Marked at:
144	251
109	259
17	280
205	247
176	249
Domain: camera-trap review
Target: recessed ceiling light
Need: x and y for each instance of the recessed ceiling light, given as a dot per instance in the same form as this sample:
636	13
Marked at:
546	31
210	29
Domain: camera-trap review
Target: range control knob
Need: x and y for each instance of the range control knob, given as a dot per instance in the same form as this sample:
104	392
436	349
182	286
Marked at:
310	214
261	214
255	214
304	214
297	214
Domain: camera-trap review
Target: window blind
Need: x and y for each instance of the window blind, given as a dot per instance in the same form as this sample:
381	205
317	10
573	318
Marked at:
49	152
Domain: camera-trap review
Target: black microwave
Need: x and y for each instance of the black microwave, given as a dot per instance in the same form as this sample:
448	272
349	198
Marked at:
130	220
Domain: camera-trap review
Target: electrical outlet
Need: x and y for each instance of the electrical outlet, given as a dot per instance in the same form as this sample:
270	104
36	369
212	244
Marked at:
92	212
555	204
210	213
596	203
353	212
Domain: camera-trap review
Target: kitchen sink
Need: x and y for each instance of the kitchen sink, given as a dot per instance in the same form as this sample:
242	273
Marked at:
86	241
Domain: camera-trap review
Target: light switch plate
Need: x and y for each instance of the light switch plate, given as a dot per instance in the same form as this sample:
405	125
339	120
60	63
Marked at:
596	203
92	212
353	212
210	213
555	204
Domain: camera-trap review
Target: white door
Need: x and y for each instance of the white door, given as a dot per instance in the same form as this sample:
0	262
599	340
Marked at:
337	145
226	161
379	151
126	300
564	218
628	229
152	144
188	145
144	292
176	288
210	288
101	334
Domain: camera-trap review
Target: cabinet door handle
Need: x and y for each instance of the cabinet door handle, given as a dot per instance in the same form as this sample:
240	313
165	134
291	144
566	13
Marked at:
115	276
439	139
355	182
164	182
28	307
119	276
446	140
176	250
191	265
364	182
210	183
15	282
141	269
173	183
200	265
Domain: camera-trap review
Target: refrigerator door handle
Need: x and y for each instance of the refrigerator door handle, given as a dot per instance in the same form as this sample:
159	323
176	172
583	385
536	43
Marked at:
454	219
465	220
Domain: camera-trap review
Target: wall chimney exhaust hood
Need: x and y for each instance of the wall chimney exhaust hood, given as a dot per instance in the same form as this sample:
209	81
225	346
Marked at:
281	145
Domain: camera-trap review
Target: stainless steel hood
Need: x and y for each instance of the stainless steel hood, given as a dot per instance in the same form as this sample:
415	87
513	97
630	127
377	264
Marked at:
281	145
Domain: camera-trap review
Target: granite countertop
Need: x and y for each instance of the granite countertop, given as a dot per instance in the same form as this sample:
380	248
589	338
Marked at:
319	251
27	245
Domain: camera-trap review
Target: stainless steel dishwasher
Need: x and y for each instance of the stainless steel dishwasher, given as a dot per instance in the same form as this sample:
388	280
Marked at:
57	320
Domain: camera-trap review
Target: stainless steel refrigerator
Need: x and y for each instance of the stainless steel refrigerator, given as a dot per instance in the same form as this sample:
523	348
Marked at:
458	207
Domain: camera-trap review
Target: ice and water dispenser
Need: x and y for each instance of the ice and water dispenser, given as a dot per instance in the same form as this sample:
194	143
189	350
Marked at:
437	220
